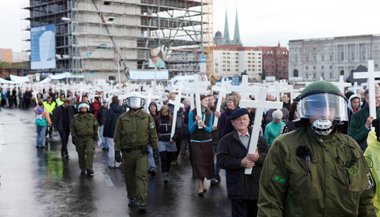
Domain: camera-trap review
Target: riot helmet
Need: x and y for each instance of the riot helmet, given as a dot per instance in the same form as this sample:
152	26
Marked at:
135	101
324	104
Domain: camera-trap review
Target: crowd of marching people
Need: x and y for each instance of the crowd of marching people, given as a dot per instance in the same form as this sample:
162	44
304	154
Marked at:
309	159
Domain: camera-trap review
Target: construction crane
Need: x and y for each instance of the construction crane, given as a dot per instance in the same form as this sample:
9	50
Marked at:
207	13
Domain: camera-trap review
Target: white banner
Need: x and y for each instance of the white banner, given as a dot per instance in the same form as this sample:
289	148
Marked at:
149	75
19	79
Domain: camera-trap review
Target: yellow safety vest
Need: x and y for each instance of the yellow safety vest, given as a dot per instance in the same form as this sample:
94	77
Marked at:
59	102
49	107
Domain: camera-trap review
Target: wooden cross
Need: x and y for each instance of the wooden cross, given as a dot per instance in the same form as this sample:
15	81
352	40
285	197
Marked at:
177	105
260	104
371	75
341	84
222	93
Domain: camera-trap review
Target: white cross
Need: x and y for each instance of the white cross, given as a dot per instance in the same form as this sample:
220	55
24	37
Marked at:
260	104
341	84
149	98
370	76
222	93
177	105
356	87
243	89
198	100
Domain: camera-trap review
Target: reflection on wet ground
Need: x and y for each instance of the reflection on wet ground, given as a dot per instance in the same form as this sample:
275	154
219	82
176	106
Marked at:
39	183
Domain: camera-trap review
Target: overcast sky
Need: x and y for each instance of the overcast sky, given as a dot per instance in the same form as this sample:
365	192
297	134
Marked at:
262	22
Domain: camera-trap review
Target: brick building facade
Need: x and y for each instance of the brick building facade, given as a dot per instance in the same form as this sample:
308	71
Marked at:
275	61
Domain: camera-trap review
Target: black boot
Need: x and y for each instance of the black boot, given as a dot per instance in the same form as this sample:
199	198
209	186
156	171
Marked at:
90	173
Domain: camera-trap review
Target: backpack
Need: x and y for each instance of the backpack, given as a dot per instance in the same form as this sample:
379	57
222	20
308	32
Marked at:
41	121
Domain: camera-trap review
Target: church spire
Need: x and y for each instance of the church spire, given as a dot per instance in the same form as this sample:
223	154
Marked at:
237	40
226	35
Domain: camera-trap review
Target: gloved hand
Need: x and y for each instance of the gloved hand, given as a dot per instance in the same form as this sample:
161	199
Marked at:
117	156
95	136
74	140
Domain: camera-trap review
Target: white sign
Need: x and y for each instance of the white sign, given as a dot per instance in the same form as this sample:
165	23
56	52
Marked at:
149	75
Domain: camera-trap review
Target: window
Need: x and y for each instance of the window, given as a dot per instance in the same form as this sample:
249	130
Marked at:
307	59
315	75
322	67
314	67
331	75
331	67
295	72
315	58
342	55
323	58
331	58
306	68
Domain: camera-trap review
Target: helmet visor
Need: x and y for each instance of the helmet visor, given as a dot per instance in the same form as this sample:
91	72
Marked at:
325	106
135	102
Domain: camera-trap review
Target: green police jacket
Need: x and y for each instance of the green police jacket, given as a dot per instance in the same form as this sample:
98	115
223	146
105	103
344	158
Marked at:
305	174
135	130
84	125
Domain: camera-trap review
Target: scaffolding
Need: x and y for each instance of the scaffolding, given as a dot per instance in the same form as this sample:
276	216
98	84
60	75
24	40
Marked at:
96	36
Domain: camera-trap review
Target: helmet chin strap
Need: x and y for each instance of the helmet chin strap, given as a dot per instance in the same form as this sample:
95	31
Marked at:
322	127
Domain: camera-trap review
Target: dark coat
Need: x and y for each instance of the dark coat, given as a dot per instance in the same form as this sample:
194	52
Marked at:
113	114
224	123
58	117
288	127
230	153
357	128
101	115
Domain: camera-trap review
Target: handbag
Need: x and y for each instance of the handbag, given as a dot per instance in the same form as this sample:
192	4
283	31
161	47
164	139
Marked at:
41	121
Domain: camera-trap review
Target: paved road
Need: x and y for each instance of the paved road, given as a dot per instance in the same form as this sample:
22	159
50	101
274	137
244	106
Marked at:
37	183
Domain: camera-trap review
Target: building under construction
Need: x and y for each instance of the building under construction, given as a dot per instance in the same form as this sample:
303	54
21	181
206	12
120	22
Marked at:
101	37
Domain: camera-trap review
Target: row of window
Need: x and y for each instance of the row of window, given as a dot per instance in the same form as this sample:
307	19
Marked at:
237	53
342	57
314	75
248	66
315	68
228	70
226	57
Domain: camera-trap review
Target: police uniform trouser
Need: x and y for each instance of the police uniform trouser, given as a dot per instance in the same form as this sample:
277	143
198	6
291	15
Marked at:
135	170
85	148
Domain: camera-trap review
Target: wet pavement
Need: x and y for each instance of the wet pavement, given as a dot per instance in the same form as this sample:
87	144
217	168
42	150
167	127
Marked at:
37	183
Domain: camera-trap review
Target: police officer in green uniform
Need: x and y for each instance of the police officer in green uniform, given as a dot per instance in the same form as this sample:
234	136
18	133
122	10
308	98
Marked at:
135	129
84	128
50	105
316	170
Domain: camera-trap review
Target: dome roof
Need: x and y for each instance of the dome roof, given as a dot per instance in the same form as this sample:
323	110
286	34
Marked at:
218	34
